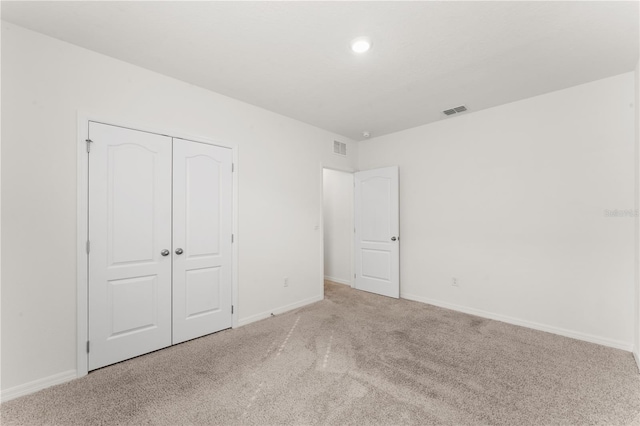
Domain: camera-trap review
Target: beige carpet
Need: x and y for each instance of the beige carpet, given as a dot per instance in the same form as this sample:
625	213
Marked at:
354	358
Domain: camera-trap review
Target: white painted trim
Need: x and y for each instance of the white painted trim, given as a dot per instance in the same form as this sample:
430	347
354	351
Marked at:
36	385
337	280
82	232
236	236
637	358
82	318
523	323
281	310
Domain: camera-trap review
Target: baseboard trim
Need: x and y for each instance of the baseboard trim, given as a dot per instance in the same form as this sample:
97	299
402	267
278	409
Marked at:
523	323
280	310
337	280
36	385
637	357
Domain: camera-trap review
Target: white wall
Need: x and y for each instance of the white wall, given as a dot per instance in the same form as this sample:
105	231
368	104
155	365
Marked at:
511	201
338	225
45	82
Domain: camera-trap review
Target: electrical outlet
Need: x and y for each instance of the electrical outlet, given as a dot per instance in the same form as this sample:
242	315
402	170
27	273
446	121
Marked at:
454	282
286	281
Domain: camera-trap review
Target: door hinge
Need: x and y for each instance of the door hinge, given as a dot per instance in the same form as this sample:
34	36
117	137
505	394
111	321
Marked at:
88	246
354	275
232	238
233	167
231	308
89	142
87	346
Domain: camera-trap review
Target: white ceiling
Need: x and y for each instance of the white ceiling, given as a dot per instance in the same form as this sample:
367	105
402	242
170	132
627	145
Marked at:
293	57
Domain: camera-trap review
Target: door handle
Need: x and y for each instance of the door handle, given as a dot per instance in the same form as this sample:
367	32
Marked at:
165	252
393	238
179	251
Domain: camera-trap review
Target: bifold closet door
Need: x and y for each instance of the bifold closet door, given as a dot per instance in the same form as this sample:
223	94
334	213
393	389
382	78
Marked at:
202	224
130	243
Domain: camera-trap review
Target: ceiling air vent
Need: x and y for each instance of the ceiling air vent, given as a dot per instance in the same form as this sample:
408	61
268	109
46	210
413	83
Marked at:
455	110
340	148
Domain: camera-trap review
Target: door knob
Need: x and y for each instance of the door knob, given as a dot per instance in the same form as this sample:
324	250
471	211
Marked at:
165	252
179	251
393	238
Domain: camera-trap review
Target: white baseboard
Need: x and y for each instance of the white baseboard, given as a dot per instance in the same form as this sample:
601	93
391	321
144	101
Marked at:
637	357
524	323
37	385
280	310
337	280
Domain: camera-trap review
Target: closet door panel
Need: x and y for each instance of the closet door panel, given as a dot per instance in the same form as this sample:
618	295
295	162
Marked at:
129	226
201	238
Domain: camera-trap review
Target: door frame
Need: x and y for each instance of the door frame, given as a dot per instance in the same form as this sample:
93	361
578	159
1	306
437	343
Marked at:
82	219
351	171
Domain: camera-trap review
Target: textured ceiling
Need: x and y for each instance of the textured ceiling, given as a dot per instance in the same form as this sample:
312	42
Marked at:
293	57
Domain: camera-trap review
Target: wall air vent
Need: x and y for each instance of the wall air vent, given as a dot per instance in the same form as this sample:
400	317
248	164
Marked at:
340	148
455	110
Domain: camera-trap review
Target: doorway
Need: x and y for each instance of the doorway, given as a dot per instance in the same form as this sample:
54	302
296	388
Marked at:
337	198
361	226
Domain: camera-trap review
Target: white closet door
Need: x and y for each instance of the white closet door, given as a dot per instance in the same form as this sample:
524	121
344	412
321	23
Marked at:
202	224
377	226
129	227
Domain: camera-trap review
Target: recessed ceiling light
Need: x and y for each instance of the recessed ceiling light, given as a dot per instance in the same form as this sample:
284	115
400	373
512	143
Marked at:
360	44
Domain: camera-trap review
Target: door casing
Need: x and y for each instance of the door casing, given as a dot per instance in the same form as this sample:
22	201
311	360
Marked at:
82	197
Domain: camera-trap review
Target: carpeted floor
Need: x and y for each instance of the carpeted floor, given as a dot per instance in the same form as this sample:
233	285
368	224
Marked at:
354	358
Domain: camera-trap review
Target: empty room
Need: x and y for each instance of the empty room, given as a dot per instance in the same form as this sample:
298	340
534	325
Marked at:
324	212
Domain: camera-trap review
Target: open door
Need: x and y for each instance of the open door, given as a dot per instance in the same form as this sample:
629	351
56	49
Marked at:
377	246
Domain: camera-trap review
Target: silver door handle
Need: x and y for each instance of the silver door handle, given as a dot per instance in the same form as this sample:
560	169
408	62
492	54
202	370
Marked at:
393	238
179	251
165	252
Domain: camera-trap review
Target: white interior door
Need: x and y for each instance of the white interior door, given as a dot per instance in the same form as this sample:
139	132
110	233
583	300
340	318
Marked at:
129	228
377	227
202	224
